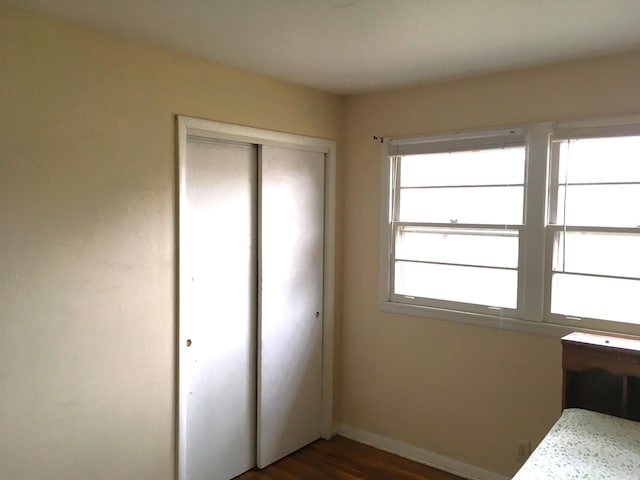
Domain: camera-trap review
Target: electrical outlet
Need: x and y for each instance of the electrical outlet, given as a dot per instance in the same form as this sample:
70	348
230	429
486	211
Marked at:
524	450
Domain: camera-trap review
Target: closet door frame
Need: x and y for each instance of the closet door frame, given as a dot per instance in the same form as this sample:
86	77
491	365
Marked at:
209	129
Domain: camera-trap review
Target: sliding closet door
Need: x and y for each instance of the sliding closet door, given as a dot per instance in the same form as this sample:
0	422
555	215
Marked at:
290	295
218	256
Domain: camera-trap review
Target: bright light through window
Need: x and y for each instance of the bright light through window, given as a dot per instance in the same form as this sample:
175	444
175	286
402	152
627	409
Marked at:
595	217
458	218
540	223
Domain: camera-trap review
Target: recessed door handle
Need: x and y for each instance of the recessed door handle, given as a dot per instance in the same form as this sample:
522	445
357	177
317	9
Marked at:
188	342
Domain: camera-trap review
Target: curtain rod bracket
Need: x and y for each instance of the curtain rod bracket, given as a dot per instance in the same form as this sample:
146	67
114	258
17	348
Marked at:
379	139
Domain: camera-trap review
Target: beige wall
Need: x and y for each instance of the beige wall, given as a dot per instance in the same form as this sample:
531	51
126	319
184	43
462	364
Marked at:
87	283
466	392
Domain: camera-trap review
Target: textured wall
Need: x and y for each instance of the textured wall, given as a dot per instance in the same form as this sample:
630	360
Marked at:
466	392
87	282
87	241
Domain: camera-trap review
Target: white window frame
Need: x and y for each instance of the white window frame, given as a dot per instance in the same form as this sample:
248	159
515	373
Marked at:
535	253
581	130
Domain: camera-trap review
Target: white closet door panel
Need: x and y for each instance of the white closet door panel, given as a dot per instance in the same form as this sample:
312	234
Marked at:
291	295
218	257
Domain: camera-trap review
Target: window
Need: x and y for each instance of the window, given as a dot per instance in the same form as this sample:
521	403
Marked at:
457	214
594	228
540	224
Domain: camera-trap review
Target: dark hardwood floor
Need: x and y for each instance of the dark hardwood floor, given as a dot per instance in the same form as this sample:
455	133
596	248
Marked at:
343	459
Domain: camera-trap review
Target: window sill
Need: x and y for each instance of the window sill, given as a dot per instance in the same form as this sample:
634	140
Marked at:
491	321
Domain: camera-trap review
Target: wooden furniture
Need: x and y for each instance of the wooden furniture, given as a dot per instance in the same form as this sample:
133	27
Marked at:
601	381
602	374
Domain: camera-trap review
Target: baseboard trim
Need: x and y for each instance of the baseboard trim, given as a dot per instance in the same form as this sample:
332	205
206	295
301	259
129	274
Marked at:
417	454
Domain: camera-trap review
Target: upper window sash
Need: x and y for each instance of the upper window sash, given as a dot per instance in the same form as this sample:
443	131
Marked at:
592	175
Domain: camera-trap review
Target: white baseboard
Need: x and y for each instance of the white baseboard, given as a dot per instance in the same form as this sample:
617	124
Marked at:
417	454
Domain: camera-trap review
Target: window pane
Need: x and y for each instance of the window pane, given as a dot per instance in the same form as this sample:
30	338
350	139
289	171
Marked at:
497	248
596	297
481	167
600	205
598	253
482	286
497	205
596	160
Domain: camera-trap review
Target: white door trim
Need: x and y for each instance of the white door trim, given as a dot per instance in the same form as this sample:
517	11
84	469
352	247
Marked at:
189	126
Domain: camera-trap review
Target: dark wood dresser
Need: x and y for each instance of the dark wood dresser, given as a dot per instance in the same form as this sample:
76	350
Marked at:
602	374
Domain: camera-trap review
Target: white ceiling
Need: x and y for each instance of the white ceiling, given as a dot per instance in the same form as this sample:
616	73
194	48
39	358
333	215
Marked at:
352	46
